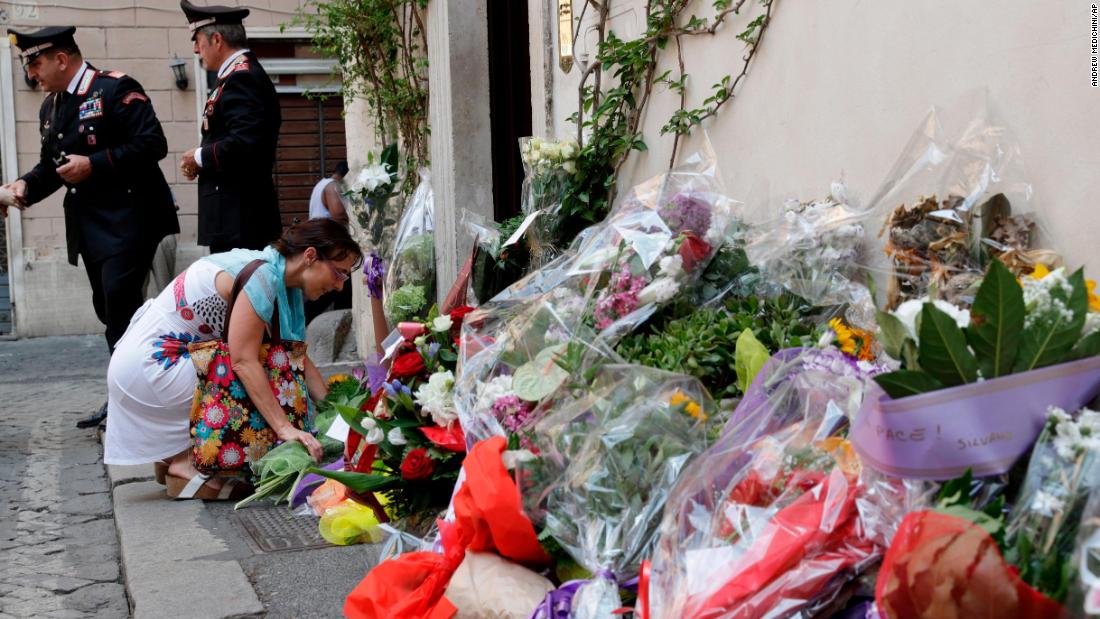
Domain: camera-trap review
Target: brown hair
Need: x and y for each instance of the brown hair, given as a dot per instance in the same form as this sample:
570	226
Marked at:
331	240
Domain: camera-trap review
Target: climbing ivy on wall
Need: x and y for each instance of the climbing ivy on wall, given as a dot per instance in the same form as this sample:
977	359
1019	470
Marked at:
617	83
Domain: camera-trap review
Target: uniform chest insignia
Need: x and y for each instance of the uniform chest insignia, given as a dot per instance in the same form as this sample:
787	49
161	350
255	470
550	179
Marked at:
214	94
91	108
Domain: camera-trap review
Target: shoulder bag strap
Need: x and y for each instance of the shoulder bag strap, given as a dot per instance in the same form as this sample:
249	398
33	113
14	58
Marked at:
238	285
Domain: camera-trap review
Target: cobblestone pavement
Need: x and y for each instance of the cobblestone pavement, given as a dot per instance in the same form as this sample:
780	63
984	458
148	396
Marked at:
57	532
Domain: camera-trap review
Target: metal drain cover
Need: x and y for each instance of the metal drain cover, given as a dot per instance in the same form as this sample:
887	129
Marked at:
275	529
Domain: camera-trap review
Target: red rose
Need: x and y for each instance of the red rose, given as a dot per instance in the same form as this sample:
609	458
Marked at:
417	465
407	365
692	250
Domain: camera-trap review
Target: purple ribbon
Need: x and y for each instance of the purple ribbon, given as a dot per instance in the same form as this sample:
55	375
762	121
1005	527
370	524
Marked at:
982	426
374	269
558	604
311	481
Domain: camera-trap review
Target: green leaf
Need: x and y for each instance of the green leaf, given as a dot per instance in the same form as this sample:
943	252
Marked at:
359	482
1051	341
943	351
749	356
904	383
352	416
1088	346
892	333
539	378
997	321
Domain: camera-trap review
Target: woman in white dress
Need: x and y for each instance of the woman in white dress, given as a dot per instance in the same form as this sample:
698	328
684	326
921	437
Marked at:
151	380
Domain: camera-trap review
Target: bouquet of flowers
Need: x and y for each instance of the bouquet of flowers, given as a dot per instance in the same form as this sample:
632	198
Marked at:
410	279
412	443
547	165
768	521
608	456
1042	526
371	192
814	251
649	251
953	204
1033	343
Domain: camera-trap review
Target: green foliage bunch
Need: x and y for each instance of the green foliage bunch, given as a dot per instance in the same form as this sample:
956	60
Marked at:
703	343
381	48
615	87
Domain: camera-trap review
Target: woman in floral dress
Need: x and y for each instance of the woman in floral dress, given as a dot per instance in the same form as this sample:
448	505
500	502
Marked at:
151	380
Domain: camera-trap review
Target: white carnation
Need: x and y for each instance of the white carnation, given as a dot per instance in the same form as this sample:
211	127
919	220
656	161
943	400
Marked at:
907	313
436	397
489	392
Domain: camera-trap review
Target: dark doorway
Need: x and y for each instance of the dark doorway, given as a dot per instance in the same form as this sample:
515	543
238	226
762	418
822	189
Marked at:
509	100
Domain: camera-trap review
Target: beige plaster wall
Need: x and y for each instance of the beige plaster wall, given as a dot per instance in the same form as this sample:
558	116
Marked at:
138	37
838	87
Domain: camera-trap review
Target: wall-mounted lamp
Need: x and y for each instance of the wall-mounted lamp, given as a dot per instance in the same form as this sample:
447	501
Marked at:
179	71
565	35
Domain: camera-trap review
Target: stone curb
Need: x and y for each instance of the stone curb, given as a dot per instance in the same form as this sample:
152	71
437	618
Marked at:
173	567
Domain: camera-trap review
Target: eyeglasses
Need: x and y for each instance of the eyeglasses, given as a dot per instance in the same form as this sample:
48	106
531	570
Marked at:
341	275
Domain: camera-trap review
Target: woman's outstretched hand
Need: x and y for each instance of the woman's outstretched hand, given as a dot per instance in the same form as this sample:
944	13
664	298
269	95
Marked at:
310	442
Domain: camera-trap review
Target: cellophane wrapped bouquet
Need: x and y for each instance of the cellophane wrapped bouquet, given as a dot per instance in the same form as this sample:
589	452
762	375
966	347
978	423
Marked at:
607	457
410	284
652	248
770	521
547	167
956	198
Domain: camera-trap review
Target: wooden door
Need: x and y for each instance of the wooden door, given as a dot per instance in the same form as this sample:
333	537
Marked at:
311	143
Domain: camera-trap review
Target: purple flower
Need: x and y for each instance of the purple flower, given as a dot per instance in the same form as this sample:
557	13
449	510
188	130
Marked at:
394	387
376	374
374	270
623	298
686	213
512	412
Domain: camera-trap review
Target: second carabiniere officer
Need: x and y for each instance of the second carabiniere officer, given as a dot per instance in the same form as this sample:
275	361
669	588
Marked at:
238	206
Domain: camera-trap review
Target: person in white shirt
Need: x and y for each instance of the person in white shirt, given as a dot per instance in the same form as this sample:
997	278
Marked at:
326	201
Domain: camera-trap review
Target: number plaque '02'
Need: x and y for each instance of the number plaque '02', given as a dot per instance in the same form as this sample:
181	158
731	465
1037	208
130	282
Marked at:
565	35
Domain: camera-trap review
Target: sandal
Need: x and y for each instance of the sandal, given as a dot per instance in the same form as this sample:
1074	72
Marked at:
196	488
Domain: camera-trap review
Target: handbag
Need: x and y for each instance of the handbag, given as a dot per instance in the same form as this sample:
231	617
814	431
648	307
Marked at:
228	432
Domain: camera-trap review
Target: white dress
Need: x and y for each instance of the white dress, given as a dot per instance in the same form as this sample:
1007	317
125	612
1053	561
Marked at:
151	380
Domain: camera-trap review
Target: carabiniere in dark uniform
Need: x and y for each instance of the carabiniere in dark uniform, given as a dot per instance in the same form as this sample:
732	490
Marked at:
116	216
238	204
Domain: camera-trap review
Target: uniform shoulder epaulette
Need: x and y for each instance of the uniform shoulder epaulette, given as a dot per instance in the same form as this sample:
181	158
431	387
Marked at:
237	67
113	74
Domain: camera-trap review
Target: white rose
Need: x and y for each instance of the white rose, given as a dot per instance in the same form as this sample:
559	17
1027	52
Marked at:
569	167
375	434
568	149
395	437
907	313
442	323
